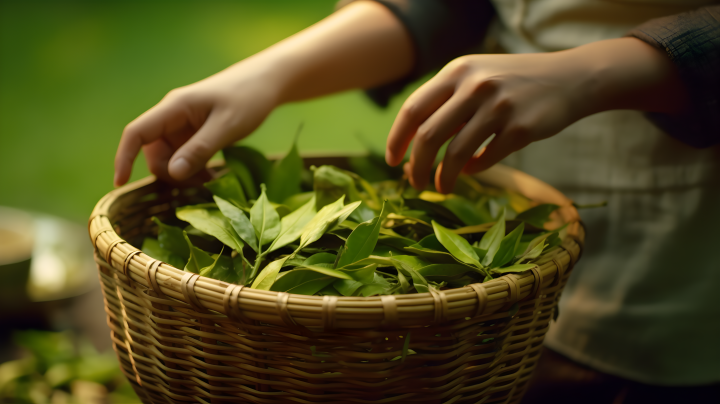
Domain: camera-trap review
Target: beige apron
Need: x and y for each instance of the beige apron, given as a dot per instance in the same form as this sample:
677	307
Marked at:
644	301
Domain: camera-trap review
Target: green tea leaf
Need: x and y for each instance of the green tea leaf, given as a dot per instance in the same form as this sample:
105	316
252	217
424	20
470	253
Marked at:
239	221
431	255
444	271
330	183
152	248
347	287
456	245
387	251
362	240
221	269
411	261
534	249
298	200
325	271
490	242
380	286
264	219
251	167
267	276
242	269
508	247
198	260
325	220
285	175
404	284
293	224
513	268
364	274
302	282
320	258
434	210
538	215
419	281
466	211
228	187
171	238
212	222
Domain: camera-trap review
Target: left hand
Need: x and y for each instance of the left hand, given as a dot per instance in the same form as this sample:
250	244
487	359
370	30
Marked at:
522	98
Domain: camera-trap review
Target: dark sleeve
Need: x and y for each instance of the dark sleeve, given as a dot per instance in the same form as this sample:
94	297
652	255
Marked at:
692	41
441	30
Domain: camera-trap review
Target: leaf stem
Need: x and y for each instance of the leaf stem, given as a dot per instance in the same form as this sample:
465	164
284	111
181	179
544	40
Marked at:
255	268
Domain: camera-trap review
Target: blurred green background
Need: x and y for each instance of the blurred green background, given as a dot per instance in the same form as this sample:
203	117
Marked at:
74	73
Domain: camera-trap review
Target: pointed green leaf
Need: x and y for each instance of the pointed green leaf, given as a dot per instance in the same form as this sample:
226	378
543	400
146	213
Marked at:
239	221
347	287
302	282
404	284
251	167
171	238
285	175
293	224
228	187
152	248
264	219
362	240
325	220
267	276
534	249
491	240
538	215
466	210
508	247
434	210
407	264
198	260
326	271
456	245
224	270
330	183
320	258
364	274
212	222
513	268
444	271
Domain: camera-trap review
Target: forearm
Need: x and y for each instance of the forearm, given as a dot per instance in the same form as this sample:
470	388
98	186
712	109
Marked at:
360	46
627	73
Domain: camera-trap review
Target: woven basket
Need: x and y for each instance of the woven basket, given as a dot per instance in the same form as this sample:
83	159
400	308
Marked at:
183	338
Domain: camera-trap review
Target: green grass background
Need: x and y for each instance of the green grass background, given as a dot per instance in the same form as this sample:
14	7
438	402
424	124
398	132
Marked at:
74	73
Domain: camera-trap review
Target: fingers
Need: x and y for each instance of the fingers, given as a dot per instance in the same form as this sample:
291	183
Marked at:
433	133
165	118
415	110
217	132
511	139
487	120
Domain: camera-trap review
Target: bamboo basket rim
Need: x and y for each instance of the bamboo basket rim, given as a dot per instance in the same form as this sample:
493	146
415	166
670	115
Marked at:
328	313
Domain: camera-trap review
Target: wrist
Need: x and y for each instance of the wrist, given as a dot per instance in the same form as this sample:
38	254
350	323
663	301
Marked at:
626	73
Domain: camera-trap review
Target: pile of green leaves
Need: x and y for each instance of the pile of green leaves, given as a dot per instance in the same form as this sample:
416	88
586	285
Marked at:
57	367
328	231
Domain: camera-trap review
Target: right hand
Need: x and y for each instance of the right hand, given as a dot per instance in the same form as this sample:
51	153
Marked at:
190	124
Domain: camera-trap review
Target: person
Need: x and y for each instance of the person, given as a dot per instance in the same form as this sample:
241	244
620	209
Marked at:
570	97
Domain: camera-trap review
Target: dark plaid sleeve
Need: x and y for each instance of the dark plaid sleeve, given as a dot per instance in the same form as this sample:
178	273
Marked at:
692	41
441	30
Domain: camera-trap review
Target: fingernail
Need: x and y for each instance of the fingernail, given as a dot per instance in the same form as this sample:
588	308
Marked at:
179	168
115	180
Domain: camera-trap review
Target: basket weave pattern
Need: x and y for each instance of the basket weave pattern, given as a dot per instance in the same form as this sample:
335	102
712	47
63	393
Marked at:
183	338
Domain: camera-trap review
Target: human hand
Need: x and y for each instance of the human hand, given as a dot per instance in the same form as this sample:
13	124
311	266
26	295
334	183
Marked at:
190	124
522	99
362	45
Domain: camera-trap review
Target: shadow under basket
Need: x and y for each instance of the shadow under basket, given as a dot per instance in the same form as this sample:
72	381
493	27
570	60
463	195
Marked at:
184	338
